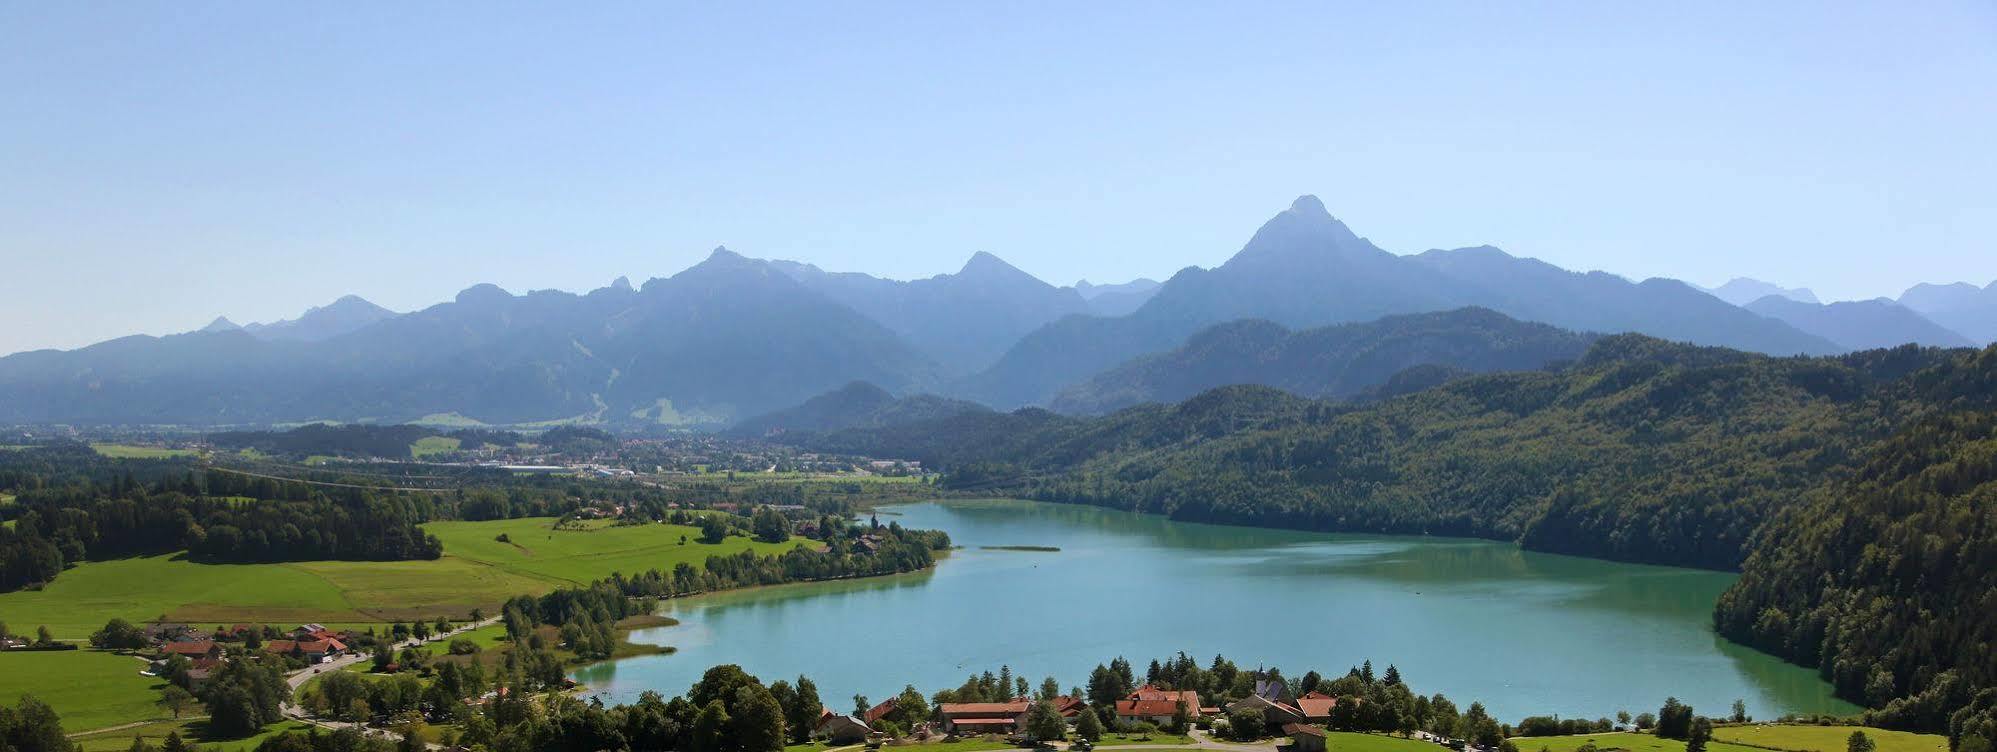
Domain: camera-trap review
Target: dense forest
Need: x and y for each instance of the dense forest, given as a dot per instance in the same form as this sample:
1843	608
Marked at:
1873	468
1642	450
1888	583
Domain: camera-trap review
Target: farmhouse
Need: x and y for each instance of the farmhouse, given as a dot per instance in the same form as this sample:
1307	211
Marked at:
1273	713
842	729
1156	706
314	651
1316	707
981	717
998	717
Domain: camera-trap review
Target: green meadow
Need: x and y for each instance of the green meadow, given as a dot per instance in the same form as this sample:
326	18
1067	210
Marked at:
1348	741
476	571
429	446
131	452
87	688
1798	738
534	549
1616	740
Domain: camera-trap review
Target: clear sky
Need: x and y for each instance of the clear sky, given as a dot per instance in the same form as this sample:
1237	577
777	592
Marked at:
165	163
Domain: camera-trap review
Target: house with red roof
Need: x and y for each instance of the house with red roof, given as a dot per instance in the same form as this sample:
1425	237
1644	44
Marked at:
314	651
1316	707
981	717
881	710
1149	704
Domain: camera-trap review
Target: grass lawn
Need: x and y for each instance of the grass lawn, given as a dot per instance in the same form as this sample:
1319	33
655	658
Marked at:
534	549
88	689
433	445
1827	738
1347	741
131	452
1617	740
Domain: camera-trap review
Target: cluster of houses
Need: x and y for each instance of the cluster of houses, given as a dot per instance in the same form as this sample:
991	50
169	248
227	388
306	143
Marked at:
1147	705
206	652
1303	718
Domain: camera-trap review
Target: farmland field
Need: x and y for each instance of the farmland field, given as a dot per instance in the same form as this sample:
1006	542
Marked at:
475	572
87	688
1828	738
130	452
533	549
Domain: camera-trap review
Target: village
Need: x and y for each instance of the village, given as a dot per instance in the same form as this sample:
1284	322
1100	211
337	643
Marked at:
1299	722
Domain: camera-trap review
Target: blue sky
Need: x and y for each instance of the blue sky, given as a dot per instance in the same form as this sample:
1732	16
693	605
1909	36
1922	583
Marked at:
167	163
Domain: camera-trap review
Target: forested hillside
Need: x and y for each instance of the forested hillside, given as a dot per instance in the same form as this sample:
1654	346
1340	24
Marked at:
1642	450
1879	469
1888	583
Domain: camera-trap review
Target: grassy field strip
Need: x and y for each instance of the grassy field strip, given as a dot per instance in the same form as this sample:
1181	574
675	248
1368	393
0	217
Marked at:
1616	740
130	452
1827	738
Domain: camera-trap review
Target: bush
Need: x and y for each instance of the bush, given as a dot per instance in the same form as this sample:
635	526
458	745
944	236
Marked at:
464	646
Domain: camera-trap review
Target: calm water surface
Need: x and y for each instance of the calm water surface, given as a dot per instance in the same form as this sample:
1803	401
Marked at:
1525	633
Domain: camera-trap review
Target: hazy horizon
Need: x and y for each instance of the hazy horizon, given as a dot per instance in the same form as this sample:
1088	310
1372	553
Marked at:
176	164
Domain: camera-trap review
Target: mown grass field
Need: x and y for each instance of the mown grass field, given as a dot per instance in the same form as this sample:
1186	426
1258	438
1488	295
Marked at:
88	689
1616	740
1799	738
131	452
475	572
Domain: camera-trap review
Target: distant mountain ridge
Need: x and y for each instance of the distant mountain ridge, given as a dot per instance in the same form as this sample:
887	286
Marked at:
725	338
1962	307
1304	268
347	314
1860	324
1338	361
1117	299
1741	291
734	336
963	320
855	405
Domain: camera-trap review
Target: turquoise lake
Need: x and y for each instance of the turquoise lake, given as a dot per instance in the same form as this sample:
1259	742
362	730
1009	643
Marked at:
1524	633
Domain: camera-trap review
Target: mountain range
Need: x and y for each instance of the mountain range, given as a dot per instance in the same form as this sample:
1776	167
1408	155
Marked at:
1304	268
1741	291
1859	324
1962	307
1339	361
734	336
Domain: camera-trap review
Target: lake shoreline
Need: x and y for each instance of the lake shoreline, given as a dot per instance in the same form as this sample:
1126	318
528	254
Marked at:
1434	604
